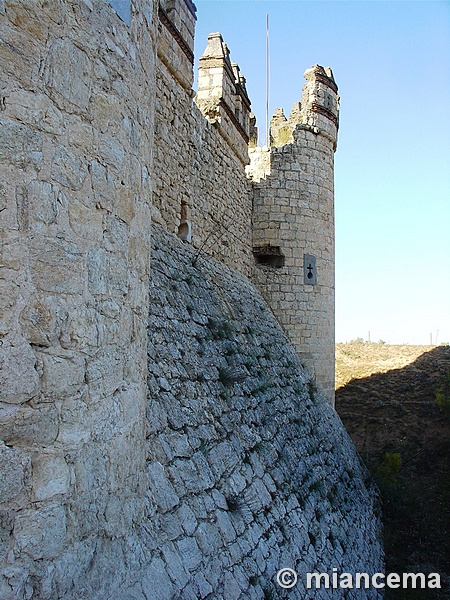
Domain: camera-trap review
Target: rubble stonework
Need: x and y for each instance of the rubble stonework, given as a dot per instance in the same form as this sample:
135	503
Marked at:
159	437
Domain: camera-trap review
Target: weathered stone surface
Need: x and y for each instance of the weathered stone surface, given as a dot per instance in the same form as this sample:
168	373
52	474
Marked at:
161	488
41	533
12	251
13	470
102	185
50	475
20	146
62	376
97	263
157	584
37	205
86	222
67	74
68	169
9	294
39	320
19	380
34	109
56	265
104	374
23	425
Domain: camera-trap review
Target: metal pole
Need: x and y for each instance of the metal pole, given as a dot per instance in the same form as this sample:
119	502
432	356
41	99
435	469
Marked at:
267	80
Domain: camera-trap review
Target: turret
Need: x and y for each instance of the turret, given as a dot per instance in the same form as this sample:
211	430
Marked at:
293	222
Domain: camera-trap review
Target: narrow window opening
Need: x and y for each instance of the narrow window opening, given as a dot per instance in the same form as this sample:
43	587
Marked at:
309	269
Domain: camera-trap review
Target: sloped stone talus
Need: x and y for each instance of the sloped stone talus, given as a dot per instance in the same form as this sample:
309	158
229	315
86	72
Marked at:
250	469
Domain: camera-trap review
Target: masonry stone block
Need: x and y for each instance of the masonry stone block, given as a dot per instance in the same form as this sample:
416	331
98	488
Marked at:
62	376
104	373
50	475
19	380
56	265
161	488
68	168
20	146
9	295
37	205
190	553
85	222
13	466
41	533
157	583
34	109
175	567
112	152
67	74
82	328
24	425
91	469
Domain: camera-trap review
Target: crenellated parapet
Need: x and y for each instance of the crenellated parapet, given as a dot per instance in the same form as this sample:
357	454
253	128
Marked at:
222	96
320	102
318	111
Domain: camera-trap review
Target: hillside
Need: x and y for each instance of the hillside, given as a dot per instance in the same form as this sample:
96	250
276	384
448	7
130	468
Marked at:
386	399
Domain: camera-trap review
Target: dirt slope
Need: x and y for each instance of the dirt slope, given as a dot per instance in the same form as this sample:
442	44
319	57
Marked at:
389	406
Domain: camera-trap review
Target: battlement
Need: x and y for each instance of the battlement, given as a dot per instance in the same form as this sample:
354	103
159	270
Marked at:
222	95
320	102
318	110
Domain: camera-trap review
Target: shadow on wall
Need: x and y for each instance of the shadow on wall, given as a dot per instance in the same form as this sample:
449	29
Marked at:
403	436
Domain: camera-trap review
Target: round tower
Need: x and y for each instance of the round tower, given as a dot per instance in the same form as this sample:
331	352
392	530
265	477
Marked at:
293	223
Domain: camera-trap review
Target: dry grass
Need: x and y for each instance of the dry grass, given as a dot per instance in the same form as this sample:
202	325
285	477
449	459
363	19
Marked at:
358	360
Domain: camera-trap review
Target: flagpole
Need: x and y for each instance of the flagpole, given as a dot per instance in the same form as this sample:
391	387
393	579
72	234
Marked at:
267	80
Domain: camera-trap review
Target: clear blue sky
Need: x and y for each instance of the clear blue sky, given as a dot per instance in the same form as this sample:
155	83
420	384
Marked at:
391	61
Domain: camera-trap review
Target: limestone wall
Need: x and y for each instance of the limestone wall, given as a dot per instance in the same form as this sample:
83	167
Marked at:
250	469
75	157
159	436
200	157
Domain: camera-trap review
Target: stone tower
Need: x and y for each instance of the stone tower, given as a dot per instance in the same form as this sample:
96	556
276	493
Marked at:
293	222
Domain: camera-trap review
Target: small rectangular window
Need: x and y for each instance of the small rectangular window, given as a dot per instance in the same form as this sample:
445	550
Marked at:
268	255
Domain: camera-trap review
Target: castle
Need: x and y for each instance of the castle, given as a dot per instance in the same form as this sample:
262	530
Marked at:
273	221
163	282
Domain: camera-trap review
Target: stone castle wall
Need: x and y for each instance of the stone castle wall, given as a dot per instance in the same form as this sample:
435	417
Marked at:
249	467
201	190
76	133
159	437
